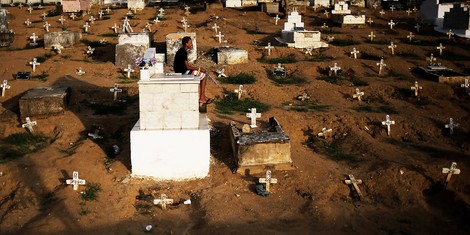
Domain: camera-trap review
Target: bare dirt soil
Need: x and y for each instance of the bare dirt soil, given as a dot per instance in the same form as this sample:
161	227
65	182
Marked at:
402	188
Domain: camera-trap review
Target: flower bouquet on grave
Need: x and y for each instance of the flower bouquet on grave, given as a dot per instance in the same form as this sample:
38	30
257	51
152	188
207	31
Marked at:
145	63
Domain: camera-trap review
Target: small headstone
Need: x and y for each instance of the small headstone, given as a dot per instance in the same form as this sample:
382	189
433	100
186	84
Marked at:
388	122
416	87
354	183
358	94
22	75
268	180
450	171
163	201
44	101
75	181
4	87
324	132
115	90
29	124
269	48
253	115
451	125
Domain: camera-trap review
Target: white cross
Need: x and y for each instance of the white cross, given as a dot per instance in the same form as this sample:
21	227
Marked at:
126	26
4	87
450	33
115	27
75	181
162	11
86	26
73	16
129	70
370	21
330	38
391	23
382	12
61	20
184	20
431	59
29	124
355	183
102	41
375	5
115	89
371	36
335	69
387	122
358	94
303	97
354	52
239	91
440	48
408	11
324	132
58	48
416	87
269	47
268	180
92	19
324	26
148	26
187	12
90	50
276	19
219	35
156	20
185	26
326	13
253	115
80	72
108	10
46	26
34	63
381	65
215	27
417	27
465	85
34	37
101	13
410	36
415	9
221	73
20	5
451	125
450	171
308	50
30	9
44	16
392	8
163	201
27	22
392	47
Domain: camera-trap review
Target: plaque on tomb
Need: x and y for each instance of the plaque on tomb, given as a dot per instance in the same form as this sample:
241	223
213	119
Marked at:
22	75
44	101
64	38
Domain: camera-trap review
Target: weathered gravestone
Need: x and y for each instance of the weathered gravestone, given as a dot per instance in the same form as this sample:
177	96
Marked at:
135	4
6	37
230	55
76	5
64	38
130	46
173	44
44	101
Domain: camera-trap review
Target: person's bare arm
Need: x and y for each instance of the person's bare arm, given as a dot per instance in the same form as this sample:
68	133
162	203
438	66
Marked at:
193	68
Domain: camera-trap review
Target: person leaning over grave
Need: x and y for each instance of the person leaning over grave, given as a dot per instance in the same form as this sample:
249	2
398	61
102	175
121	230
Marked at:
181	65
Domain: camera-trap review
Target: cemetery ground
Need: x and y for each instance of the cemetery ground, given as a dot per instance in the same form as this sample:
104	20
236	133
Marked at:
402	186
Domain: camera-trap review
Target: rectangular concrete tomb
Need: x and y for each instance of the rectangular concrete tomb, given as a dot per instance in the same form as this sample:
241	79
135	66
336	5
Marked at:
64	38
230	55
256	152
44	101
130	46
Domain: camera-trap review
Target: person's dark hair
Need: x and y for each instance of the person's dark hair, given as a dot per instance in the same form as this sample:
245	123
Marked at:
185	40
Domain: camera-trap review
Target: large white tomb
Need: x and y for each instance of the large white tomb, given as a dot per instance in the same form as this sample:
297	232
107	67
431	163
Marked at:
294	34
171	140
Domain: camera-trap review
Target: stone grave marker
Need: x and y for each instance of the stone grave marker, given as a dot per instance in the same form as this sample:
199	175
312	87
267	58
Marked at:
416	87
450	171
269	48
276	19
392	47
215	27
387	123
354	182
230	55
4	87
128	70
239	91
64	38
410	36
354	52
29	124
253	115
163	201
324	132
334	69
451	125
358	94
75	181
44	101
268	180
46	26
86	26
34	63
219	36
391	23
440	48
381	65
115	90
371	36
80	71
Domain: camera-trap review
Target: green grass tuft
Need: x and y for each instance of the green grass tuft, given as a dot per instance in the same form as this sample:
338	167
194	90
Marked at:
241	78
19	144
231	104
43	76
91	192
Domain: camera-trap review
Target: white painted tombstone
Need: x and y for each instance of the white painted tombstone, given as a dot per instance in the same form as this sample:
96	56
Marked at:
136	4
115	91
269	48
451	125
358	94
354	183
295	35
4	87
75	181
440	48
324	132
219	36
335	68
416	88
128	70
354	52
34	63
410	36
450	171
268	180
238	91
253	115
387	123
233	3
392	47
163	201
29	124
381	65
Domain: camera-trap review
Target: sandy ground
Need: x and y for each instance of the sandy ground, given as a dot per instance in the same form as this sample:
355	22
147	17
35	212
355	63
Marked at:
402	179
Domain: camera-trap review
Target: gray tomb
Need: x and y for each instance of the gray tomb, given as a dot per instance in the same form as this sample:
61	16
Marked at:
230	55
44	101
64	38
130	46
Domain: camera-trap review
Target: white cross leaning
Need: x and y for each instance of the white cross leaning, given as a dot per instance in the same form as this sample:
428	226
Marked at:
73	16
221	73
335	69
355	183
46	26
450	33
354	52
431	59
451	125
253	115
416	87
450	171
388	122
115	89
4	87
61	20
440	48
371	36
391	23
129	70
268	180
163	201
90	50
75	181
115	27
392	47
381	65
276	19
86	26
358	94
27	22
324	132
417	27
80	72
219	35
34	37
410	36
29	124
239	91
370	21
308	50
269	47
34	63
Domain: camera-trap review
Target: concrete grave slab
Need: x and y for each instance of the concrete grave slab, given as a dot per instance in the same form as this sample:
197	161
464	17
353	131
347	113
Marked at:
230	55
44	101
64	38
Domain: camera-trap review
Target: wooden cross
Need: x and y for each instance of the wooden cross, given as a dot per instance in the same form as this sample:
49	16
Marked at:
86	26
431	59
381	65
253	115
417	27
115	89
221	73
239	91
276	19
61	20
382	12
219	35
358	94
391	23
370	21
440	48
408	11
451	125
392	8
27	22
75	181
392	47
115	27
44	16
90	50
58	48
410	36
354	183
388	122
268	180
73	16
29	124
354	52
101	13
324	132
34	37
46	26
129	70
269	47
416	87
185	26
163	201
4	87
80	71
450	171
34	63
371	36
335	69
450	33
324	26
308	50
215	27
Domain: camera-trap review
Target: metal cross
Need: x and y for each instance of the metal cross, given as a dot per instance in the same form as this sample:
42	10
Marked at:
219	35
34	63
163	201
239	91
410	36
324	132
276	19
392	47
450	171
355	183
29	124
75	181
381	65
253	115
358	94
268	180
115	89
4	87
451	125
391	23
354	52
416	87
335	69
440	48
371	36
129	70
269	47
387	122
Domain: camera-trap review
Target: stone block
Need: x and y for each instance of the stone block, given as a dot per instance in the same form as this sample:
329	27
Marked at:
64	38
134	39
270	7
136	4
248	3
75	5
233	3
127	53
173	44
43	102
230	55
